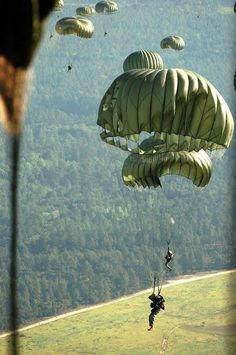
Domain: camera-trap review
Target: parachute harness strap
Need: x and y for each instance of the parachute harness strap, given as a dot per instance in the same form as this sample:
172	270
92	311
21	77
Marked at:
156	282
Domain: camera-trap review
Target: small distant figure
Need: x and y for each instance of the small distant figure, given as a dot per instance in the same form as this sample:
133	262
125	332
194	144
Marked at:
69	68
197	16
156	305
169	257
105	33
51	36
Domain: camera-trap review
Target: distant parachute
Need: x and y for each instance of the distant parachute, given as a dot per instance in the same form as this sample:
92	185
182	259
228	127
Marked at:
181	109
143	60
73	25
174	42
59	4
106	7
146	170
85	11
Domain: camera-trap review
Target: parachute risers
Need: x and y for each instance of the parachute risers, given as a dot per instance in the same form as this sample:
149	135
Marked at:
156	282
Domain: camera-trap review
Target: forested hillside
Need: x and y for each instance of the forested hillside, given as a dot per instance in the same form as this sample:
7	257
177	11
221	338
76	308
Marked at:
85	237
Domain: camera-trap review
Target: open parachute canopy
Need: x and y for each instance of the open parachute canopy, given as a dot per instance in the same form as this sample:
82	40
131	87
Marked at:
143	60
174	42
85	11
77	26
106	7
165	119
59	4
180	110
145	170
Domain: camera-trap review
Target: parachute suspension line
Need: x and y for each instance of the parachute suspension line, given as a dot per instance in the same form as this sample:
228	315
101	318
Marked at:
152	216
154	239
140	219
15	145
159	287
156	282
152	219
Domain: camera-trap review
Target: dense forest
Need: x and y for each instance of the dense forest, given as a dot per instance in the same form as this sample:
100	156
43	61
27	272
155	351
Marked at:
84	236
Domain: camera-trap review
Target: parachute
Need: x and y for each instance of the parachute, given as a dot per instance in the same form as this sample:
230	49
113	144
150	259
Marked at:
145	171
73	25
106	7
59	4
181	109
174	42
143	60
85	11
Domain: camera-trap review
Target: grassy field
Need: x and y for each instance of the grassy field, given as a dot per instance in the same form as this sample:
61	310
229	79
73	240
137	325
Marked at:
200	318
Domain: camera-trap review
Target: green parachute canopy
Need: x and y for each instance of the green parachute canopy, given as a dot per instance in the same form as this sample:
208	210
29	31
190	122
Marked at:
143	60
59	4
174	42
145	170
179	108
77	26
85	11
106	7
